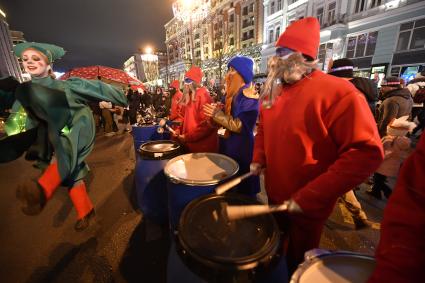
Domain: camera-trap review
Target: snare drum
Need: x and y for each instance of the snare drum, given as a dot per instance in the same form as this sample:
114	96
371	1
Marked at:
151	183
193	175
218	250
334	267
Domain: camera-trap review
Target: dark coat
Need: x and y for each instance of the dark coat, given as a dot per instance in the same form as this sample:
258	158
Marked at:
395	104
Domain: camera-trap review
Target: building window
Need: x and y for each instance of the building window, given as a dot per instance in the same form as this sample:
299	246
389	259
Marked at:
251	33
277	33
319	15
322	51
251	8
331	13
231	41
360	6
271	38
232	18
411	36
375	3
279	5
362	45
272	8
245	11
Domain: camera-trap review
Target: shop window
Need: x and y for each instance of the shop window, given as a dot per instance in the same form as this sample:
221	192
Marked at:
362	45
395	71
411	36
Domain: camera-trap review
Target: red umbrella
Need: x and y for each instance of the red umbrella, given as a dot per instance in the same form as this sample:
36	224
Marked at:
106	74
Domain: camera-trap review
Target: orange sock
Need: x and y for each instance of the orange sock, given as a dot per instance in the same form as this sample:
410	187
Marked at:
80	199
50	180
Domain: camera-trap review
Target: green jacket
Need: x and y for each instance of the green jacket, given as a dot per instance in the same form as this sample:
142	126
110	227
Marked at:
60	112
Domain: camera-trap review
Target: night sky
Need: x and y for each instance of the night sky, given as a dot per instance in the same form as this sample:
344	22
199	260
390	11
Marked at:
93	32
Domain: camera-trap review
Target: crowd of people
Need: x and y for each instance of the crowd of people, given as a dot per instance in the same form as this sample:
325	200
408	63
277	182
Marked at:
318	136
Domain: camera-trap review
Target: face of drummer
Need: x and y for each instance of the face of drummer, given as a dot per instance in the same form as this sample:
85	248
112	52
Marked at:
35	63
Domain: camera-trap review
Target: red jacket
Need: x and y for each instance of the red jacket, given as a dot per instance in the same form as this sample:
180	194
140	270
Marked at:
177	109
317	141
401	252
200	135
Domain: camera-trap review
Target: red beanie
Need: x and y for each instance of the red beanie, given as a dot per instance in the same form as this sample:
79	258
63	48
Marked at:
175	84
302	36
195	74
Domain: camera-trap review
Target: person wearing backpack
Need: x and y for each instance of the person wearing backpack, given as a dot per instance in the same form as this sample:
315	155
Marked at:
417	89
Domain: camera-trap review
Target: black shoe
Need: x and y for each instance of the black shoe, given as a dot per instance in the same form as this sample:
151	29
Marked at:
32	197
84	222
374	193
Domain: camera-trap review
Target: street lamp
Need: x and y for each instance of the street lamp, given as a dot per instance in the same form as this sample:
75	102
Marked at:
148	50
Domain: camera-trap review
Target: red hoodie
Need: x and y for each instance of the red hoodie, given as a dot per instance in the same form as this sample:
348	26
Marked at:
401	252
200	135
177	109
317	141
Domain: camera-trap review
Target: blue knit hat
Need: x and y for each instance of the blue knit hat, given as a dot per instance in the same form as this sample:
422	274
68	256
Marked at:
244	66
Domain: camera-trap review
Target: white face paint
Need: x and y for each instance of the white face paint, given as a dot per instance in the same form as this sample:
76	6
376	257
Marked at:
35	63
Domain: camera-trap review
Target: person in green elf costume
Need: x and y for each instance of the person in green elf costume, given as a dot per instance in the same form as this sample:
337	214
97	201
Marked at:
51	121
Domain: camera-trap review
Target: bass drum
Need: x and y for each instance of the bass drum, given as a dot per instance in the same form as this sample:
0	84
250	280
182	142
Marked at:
334	267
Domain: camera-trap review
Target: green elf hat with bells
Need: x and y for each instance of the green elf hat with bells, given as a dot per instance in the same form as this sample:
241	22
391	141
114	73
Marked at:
52	52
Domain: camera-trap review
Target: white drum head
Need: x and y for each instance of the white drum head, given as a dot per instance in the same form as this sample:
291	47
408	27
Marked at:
202	169
335	268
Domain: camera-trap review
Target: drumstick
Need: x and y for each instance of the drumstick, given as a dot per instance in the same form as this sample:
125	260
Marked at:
235	212
163	123
228	185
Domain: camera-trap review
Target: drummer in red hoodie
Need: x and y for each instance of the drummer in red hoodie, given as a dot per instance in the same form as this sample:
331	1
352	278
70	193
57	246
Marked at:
177	109
197	134
316	138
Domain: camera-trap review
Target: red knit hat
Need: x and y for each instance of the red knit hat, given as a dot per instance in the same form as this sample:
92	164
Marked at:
175	84
302	36
195	74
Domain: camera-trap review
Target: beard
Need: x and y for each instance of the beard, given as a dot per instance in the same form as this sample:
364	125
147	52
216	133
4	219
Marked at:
234	82
188	94
284	71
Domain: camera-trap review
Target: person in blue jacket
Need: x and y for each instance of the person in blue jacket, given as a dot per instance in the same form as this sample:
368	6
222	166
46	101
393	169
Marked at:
51	121
237	118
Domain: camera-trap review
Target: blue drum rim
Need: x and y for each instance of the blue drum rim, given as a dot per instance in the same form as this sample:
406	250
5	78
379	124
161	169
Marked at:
178	180
296	277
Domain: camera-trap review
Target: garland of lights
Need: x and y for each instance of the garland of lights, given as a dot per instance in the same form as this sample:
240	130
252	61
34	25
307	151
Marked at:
191	10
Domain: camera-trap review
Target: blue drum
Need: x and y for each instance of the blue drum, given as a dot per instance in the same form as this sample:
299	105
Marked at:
193	175
151	183
147	132
211	248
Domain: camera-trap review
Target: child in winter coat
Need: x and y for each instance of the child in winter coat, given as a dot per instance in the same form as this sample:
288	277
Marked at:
396	148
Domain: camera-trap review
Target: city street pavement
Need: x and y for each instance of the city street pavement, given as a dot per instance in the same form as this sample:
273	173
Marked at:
119	246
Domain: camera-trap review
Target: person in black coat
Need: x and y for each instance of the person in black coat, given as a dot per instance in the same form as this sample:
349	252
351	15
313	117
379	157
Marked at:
134	103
